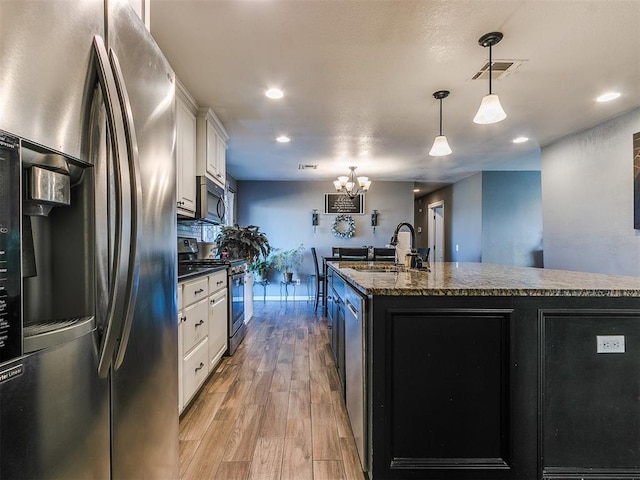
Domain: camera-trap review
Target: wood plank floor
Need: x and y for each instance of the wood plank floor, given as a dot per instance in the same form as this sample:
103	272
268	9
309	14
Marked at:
274	410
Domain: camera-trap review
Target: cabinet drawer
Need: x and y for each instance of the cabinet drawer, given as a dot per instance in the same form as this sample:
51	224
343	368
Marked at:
194	291
195	370
195	324
217	281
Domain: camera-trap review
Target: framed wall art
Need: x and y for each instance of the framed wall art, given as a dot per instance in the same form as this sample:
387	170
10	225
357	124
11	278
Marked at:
340	204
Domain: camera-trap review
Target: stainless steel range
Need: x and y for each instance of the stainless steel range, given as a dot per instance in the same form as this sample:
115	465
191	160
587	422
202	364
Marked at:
190	265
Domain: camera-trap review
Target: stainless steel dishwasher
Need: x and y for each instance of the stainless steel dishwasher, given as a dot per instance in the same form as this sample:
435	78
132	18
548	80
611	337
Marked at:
355	368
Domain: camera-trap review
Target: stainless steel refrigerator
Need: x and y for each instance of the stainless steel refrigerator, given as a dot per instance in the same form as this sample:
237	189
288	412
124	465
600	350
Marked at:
88	330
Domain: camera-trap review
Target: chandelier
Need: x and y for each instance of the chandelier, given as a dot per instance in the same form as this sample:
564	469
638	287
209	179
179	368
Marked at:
351	185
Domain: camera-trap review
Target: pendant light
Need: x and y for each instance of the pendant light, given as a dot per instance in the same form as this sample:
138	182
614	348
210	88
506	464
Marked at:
440	145
490	110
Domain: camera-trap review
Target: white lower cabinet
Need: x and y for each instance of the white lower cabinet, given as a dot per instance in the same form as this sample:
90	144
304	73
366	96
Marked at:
218	320
195	324
248	296
217	327
202	332
180	351
195	369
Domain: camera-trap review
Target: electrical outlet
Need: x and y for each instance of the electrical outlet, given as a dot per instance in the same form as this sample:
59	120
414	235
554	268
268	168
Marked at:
298	281
610	343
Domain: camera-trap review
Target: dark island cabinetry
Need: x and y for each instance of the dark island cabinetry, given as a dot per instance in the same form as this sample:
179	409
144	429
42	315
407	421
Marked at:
486	372
504	388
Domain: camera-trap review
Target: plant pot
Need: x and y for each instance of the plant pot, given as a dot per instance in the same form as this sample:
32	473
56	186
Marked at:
288	277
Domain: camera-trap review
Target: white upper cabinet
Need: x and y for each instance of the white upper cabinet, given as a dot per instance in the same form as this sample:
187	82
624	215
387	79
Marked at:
185	152
211	147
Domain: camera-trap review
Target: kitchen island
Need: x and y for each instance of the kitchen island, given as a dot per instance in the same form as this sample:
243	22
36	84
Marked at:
479	371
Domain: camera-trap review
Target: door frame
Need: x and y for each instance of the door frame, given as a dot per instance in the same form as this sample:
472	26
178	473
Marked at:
435	236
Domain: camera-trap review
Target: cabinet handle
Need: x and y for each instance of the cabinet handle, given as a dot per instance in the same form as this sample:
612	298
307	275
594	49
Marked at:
218	175
200	367
200	290
201	322
220	282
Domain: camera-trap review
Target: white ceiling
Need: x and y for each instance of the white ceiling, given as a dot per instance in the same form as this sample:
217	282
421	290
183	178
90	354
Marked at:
359	75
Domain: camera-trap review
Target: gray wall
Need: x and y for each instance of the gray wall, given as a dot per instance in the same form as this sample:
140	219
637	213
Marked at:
467	220
512	218
587	188
283	211
493	217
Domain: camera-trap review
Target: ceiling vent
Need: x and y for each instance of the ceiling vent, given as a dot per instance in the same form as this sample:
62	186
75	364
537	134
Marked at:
500	69
307	167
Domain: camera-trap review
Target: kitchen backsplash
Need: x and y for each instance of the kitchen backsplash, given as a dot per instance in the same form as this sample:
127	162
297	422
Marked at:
199	231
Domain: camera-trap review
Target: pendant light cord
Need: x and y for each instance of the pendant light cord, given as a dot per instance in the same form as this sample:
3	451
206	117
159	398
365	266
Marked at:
490	64
440	117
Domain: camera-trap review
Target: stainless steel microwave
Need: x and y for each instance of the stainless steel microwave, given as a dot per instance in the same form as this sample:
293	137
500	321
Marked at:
210	205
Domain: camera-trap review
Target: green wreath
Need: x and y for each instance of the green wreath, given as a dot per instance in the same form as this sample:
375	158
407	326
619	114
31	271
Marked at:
344	226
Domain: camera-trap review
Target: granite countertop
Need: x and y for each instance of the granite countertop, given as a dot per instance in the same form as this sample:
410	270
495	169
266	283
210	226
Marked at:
192	274
482	279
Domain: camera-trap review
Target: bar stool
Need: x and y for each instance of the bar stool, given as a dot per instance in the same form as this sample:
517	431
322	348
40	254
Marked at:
319	279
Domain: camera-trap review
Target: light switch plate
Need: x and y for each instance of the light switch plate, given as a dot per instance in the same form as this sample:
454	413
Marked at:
610	343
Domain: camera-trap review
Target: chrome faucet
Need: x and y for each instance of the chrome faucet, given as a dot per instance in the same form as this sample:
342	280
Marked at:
394	238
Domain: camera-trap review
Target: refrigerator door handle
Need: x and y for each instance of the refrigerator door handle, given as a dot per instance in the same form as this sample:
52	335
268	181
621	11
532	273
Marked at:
118	272
133	164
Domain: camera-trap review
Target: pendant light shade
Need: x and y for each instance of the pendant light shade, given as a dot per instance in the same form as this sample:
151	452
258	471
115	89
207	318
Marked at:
490	110
440	146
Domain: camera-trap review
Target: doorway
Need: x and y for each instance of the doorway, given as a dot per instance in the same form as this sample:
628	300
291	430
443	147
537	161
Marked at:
435	226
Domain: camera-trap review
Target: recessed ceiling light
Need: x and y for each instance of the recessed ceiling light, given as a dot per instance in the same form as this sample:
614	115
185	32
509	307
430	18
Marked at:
607	97
520	140
274	93
283	139
416	190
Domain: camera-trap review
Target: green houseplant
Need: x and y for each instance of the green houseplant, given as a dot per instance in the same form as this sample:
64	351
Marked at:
286	261
243	242
260	268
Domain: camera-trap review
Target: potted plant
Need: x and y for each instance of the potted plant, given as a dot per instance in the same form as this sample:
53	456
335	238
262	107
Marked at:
247	243
287	260
260	268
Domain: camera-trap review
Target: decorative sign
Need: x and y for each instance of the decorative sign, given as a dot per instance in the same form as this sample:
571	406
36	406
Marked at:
339	203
